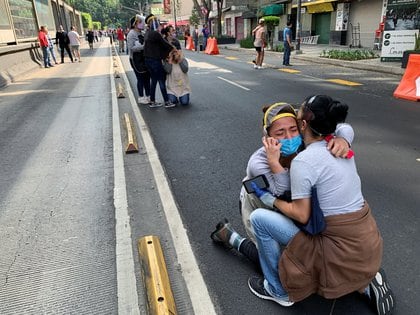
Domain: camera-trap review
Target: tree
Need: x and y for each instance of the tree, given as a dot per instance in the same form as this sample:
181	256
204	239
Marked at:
86	20
203	10
271	22
194	18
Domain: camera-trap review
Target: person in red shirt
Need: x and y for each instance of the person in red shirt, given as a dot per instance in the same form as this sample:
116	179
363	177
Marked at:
43	42
121	39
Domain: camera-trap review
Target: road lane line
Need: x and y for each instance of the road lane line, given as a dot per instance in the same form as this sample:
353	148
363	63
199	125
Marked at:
289	70
343	82
234	83
126	278
231	58
197	289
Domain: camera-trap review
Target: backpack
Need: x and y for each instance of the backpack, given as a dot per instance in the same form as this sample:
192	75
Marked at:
138	58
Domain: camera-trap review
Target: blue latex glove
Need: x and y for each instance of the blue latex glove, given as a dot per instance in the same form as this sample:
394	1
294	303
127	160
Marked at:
265	196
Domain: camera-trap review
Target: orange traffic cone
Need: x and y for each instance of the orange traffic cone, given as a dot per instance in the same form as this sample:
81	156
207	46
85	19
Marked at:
407	88
212	48
190	43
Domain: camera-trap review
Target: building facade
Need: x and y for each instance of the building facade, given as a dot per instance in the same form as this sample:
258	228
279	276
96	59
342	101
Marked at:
336	22
20	20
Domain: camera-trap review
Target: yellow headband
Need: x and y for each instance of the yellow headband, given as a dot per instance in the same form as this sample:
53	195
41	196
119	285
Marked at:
277	116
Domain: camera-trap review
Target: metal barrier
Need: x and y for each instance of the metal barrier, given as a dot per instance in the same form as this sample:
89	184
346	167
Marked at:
310	40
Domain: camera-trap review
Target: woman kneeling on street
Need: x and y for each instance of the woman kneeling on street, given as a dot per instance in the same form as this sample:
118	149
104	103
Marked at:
345	256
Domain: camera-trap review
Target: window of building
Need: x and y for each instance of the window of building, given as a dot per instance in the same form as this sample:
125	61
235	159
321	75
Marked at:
23	17
43	11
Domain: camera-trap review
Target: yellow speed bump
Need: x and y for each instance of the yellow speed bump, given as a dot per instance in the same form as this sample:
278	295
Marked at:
343	82
131	142
120	91
159	292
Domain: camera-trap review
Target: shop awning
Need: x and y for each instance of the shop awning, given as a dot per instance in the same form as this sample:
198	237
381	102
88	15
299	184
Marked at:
273	9
316	6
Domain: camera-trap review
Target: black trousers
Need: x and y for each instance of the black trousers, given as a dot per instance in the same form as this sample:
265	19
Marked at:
67	48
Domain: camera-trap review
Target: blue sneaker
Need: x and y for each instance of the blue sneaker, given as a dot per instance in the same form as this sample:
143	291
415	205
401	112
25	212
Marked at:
256	285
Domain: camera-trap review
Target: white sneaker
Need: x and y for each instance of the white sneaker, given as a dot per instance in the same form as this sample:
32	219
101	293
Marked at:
255	67
143	100
260	67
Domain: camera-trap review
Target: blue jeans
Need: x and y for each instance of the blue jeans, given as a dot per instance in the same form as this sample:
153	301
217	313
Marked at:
272	230
286	55
158	74
143	81
184	99
46	55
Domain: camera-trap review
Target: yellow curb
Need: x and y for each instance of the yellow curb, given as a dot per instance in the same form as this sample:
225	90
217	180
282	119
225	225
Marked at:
120	91
344	82
158	288
131	143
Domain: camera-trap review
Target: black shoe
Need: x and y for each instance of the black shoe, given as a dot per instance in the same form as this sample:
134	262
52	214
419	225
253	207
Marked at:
254	62
256	285
381	294
222	233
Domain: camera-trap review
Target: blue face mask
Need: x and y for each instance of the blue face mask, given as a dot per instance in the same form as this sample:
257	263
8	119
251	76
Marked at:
290	146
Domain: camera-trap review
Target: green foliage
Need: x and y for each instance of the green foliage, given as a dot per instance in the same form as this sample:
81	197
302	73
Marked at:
247	42
358	54
271	21
86	20
96	25
194	18
279	48
417	42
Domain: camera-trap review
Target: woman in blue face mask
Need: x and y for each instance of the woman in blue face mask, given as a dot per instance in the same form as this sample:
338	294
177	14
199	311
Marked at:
281	142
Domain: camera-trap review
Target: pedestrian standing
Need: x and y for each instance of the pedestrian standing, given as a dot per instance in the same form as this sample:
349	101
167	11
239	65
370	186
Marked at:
75	43
186	35
90	37
121	39
259	43
135	46
51	49
287	43
156	49
62	40
196	35
206	34
43	42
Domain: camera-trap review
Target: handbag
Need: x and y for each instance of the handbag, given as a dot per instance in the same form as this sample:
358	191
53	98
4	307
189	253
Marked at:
316	223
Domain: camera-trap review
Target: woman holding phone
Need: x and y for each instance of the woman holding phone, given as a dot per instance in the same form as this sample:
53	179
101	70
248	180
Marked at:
281	143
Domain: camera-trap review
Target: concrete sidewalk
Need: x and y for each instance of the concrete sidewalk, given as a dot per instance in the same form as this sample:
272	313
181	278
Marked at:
312	53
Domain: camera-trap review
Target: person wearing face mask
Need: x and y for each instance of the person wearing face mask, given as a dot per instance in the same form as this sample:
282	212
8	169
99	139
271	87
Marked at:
156	49
135	46
281	143
342	258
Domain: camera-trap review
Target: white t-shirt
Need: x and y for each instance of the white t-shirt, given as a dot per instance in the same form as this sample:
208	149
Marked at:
74	38
336	179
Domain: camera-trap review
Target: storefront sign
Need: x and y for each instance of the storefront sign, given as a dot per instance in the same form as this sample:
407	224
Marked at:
395	43
342	18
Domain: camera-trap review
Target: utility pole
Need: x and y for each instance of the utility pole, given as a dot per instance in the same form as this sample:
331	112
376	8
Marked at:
175	2
298	18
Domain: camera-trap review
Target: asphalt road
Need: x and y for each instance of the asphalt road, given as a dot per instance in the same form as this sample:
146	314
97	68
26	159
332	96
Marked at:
58	176
204	149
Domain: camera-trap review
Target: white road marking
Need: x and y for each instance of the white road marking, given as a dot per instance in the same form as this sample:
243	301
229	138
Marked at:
196	286
126	278
234	83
